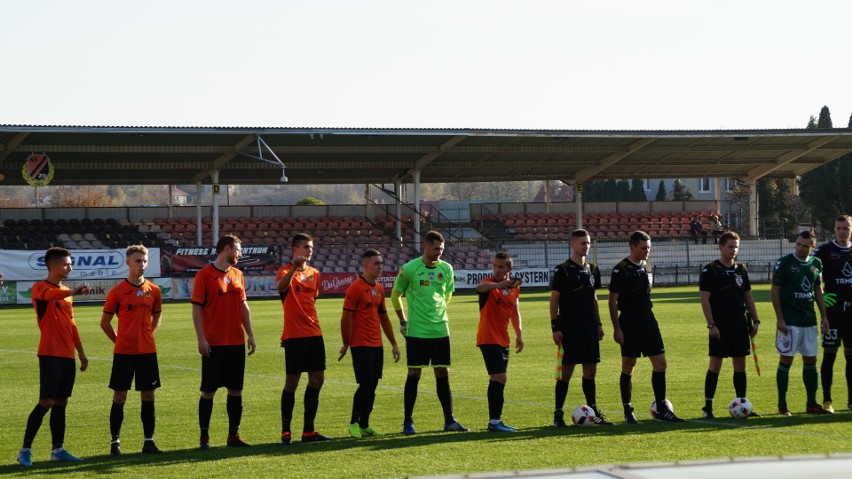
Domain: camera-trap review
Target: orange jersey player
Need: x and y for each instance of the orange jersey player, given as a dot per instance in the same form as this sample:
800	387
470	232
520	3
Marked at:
498	305
304	350
59	339
222	321
361	324
138	304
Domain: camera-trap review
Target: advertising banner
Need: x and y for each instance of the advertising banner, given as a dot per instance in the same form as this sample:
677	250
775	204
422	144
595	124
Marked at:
338	283
531	277
22	265
187	261
8	292
256	286
98	289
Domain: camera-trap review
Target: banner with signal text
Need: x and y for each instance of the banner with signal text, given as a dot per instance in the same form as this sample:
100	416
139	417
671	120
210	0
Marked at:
87	264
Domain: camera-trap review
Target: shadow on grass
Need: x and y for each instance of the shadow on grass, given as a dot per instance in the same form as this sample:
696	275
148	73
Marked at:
105	464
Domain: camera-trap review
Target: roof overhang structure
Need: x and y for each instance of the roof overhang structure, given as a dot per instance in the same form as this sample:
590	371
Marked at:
188	155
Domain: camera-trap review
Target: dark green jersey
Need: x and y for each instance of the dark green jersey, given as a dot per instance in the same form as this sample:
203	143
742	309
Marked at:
797	280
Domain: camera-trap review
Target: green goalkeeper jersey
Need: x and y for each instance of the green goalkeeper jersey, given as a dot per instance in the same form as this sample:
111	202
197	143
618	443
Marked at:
797	280
426	292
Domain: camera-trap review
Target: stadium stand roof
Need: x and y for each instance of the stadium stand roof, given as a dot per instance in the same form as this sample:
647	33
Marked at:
187	155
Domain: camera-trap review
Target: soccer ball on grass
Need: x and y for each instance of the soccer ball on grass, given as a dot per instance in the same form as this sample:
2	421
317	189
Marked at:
583	416
740	408
653	407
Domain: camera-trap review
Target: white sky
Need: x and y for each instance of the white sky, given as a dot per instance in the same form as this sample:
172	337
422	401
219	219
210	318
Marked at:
528	64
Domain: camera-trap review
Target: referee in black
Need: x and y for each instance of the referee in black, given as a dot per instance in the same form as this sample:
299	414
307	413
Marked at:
725	297
576	324
635	328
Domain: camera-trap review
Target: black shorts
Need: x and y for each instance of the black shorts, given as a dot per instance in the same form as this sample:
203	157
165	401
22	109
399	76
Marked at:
224	368
580	341
56	377
143	366
422	352
367	361
641	335
304	354
496	358
733	339
839	325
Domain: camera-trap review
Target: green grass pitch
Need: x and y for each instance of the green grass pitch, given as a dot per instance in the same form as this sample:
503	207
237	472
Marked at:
529	398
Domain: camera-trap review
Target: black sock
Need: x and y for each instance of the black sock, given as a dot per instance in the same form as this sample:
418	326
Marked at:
560	392
116	417
658	384
57	425
33	424
410	395
710	382
311	406
357	404
495	400
740	383
288	402
625	384
148	419
589	390
205	410
235	414
826	372
445	396
367	401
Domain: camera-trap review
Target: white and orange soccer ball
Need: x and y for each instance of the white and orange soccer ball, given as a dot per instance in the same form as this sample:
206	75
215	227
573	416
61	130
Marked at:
740	408
583	416
653	407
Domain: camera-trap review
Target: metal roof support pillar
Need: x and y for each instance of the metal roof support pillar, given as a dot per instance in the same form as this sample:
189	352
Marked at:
171	198
397	186
198	232
717	196
578	199
752	208
547	196
416	177
214	179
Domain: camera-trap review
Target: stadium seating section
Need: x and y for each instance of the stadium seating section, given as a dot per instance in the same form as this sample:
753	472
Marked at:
548	227
341	240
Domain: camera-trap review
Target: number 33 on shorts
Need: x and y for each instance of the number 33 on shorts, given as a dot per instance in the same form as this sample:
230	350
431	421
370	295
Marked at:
830	334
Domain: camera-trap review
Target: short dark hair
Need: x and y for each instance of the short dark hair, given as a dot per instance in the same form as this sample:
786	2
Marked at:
843	218
579	233
433	237
55	253
370	253
299	237
637	237
724	237
808	235
505	257
227	240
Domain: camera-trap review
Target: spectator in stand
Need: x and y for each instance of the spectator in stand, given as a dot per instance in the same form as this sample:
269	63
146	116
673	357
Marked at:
716	228
696	229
